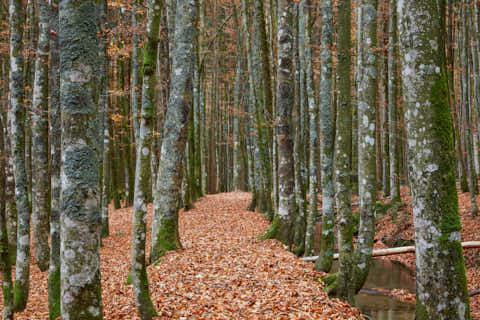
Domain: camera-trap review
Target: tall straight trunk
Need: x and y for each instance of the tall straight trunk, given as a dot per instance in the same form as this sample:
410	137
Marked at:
5	266
466	104
299	132
440	295
263	103
40	173
17	138
125	136
30	39
342	155
324	262
283	224
134	84
10	205
105	133
252	100
237	152
476	79
393	105
55	160
138	269
367	113
165	235
386	126
80	218
314	136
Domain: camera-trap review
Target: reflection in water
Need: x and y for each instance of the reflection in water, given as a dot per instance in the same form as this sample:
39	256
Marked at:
386	275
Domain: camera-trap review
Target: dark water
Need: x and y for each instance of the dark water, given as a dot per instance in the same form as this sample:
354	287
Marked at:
386	275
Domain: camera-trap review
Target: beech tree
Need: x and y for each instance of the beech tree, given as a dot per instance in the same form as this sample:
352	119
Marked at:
142	180
40	172
55	163
165	235
80	218
283	223
342	154
17	140
440	295
324	262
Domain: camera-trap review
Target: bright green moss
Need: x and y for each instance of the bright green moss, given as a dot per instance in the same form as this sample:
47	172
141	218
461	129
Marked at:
167	239
20	297
54	295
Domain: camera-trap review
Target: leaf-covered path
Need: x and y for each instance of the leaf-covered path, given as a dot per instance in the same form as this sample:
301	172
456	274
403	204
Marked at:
224	272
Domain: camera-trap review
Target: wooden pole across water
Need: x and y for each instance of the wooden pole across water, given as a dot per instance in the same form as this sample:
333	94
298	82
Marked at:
399	250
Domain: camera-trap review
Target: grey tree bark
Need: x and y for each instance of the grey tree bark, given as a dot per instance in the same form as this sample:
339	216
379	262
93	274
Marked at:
165	235
5	266
283	224
367	113
80	218
314	136
440	278
40	172
324	262
104	100
466	119
342	155
138	269
17	138
55	160
394	148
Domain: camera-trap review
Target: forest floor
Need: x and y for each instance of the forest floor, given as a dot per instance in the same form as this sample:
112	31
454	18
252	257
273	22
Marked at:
224	271
395	228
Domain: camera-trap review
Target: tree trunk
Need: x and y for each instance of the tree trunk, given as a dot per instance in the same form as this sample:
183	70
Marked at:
342	155
17	138
40	173
80	209
55	160
138	269
324	263
314	139
165	235
5	266
367	105
283	224
440	295
393	104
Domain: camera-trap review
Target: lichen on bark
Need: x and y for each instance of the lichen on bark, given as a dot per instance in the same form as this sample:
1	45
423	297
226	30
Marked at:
138	268
325	260
165	221
283	228
40	172
440	272
80	219
17	138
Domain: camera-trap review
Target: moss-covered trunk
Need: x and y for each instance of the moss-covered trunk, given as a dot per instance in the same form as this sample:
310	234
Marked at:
284	222
138	269
55	160
367	113
165	235
342	155
324	262
17	139
5	266
441	284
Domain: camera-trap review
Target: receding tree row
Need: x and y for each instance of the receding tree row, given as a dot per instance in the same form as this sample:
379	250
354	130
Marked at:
302	103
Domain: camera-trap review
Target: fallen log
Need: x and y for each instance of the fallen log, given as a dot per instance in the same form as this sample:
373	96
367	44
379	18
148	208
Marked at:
399	250
474	293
